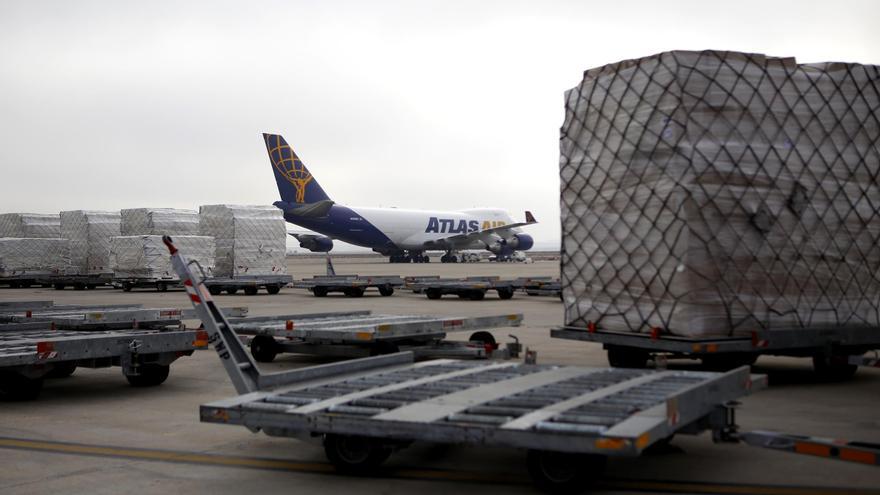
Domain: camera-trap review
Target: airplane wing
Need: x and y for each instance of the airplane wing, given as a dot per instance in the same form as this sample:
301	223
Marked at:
487	236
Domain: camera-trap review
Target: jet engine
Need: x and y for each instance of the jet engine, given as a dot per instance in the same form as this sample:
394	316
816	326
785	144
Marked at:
315	243
522	242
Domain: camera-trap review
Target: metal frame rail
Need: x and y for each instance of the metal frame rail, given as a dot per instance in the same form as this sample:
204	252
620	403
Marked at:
831	348
350	285
102	317
161	284
539	286
362	333
363	408
78	282
250	284
473	288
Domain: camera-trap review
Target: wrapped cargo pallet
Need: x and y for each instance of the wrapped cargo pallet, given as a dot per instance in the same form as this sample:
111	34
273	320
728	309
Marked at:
146	257
28	257
30	225
89	233
717	193
159	221
250	240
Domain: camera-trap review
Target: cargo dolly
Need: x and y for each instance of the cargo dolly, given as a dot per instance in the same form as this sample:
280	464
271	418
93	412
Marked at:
569	418
161	284
473	288
104	317
832	349
29	355
539	286
350	285
249	284
78	282
362	333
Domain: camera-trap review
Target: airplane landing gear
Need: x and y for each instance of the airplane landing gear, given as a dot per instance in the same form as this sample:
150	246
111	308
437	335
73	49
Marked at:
405	257
449	258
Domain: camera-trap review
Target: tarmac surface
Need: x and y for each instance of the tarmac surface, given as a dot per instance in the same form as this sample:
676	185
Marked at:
93	433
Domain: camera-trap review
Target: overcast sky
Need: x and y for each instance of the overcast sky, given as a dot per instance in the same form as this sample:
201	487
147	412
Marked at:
442	105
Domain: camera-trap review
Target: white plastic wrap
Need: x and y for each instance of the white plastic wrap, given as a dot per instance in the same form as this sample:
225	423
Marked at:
719	193
250	240
89	233
159	221
30	225
145	256
28	257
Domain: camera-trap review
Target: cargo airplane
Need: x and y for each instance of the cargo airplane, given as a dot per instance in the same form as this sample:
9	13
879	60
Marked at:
403	235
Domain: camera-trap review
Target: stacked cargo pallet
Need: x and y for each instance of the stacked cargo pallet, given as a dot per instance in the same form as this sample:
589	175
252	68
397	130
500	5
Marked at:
720	193
89	233
30	248
250	240
139	258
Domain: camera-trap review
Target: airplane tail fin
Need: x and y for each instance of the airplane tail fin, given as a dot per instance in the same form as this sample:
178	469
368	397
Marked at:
295	183
530	218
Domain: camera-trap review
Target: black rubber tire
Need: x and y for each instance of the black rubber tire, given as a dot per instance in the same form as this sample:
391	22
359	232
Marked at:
126	287
150	375
14	386
91	286
264	348
62	370
215	290
273	289
427	259
383	347
484	337
25	285
626	357
162	287
386	290
232	290
728	360
833	368
477	295
58	286
354	292
557	472
433	293
251	291
504	292
320	291
79	286
14	285
355	455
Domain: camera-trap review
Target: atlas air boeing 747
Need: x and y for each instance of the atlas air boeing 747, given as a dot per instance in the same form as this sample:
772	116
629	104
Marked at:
403	235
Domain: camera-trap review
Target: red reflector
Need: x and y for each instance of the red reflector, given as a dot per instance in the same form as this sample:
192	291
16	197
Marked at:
591	327
754	339
288	325
202	335
28	314
655	333
45	347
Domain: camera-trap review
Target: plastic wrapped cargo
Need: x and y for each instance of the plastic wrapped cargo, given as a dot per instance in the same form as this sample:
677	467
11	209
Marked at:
719	193
146	256
30	225
250	240
89	233
159	221
29	257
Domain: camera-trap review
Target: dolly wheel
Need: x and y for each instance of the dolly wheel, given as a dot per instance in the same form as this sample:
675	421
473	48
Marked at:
485	338
728	360
162	287
320	291
264	348
250	291
355	455
62	370
14	386
215	290
477	295
557	472
273	289
386	290
150	375
833	368
58	286
354	292
433	293
505	292
626	357
232	290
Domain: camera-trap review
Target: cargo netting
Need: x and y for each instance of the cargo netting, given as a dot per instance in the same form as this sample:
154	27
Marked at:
146	257
30	225
89	233
250	240
159	221
719	193
28	257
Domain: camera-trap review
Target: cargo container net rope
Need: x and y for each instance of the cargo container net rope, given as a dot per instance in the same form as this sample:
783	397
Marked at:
721	193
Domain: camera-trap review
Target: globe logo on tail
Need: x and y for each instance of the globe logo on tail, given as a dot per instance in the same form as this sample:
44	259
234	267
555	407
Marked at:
291	168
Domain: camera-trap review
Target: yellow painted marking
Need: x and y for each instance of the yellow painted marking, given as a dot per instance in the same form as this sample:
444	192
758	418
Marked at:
405	473
364	335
